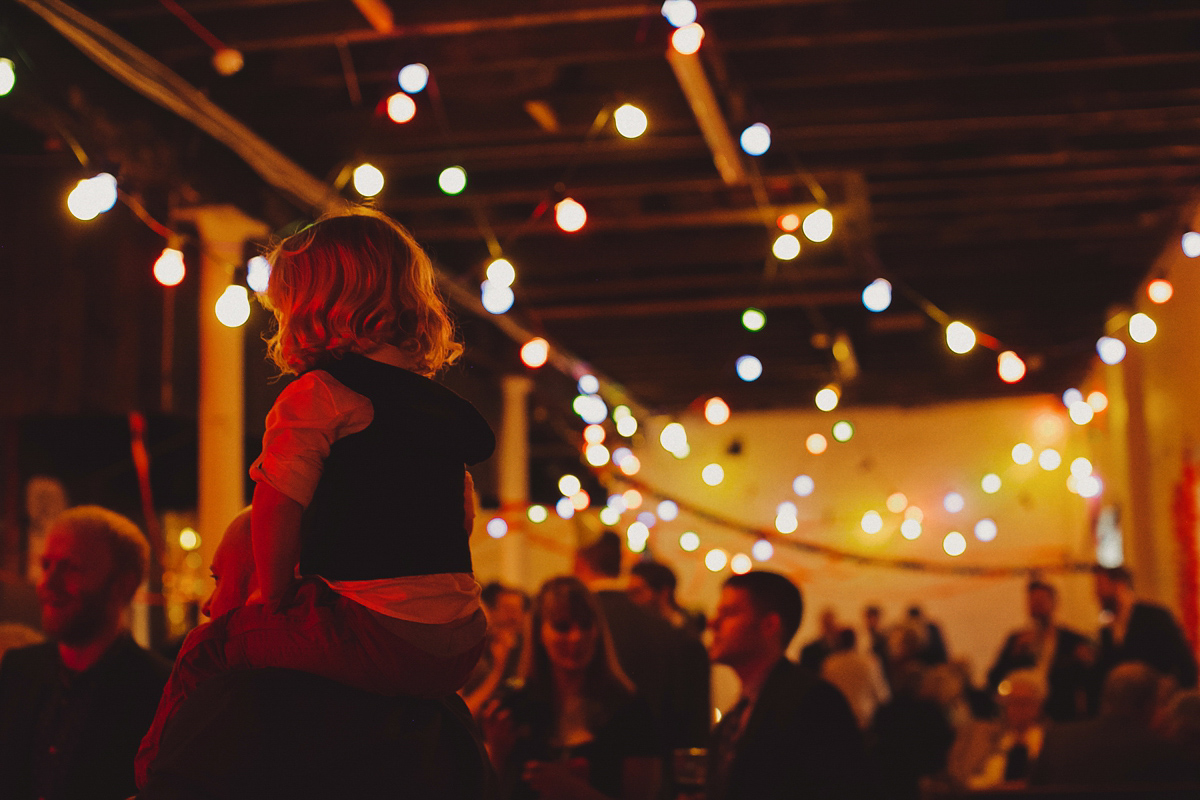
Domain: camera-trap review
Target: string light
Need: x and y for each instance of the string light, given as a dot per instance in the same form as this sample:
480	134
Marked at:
748	368
786	523
1071	396
786	509
1110	350
1022	453
1191	244
189	539
537	514
1160	290
233	306
535	352
596	455
1081	413
593	434
786	247
955	544
91	197
679	12
632	499
1049	459
871	522
627	426
497	528
687	40
816	444
581	500
1090	486
803	485
496	297
910	529
788	222
713	474
452	180
985	530
753	319
716	560
877	296
1141	328
401	108
563	508
413	78
756	139
1010	367
689	542
258	274
762	550
818	226
915	513
570	215
630	120
8	76
673	437
169	269
896	502
716	411
960	337
953	502
368	180
668	510
740	564
827	399
1098	400
501	271
1081	467
569	484
609	516
991	483
636	536
842	431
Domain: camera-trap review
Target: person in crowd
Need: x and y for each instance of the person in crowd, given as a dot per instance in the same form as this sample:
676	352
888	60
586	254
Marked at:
1137	630
270	732
576	728
813	654
1180	727
858	675
913	732
1118	747
664	663
933	651
873	621
791	733
989	754
652	586
73	709
1064	656
361	487
505	608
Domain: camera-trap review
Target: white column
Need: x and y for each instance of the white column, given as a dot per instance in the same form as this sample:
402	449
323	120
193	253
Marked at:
512	466
223	231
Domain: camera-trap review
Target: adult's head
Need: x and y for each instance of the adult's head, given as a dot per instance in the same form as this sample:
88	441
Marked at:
93	562
601	558
873	617
1021	696
757	615
568	637
505	606
1041	599
1131	694
232	568
1114	587
652	585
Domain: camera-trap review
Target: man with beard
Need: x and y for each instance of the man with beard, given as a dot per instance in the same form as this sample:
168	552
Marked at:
1139	631
73	709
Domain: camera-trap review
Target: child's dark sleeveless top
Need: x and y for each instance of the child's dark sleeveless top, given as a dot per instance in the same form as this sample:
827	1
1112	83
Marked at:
389	503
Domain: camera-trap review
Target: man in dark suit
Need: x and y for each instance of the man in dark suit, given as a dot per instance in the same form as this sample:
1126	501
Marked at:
1061	654
1139	631
73	710
791	735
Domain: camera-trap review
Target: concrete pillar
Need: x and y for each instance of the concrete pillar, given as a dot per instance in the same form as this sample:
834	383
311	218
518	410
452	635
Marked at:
512	464
223	232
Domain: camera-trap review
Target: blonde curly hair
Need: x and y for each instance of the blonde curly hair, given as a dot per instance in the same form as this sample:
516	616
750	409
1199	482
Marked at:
354	280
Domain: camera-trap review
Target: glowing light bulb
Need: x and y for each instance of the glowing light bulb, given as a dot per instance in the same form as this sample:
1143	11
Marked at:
368	180
569	484
590	408
878	295
818	226
827	399
786	523
570	215
452	180
716	411
1141	328
189	539
620	454
1110	350
953	502
91	197
712	474
627	426
673	437
631	121
816	444
1010	367
716	560
233	306
563	508
896	502
786	509
496	297
1022	453
636	536
596	455
537	514
991	483
842	431
168	268
668	510
960	337
985	530
689	541
1081	467
227	61
756	139
740	564
502	272
679	12
401	108
910	529
609	516
1160	290
590	384
786	247
413	78
1071	396
258	274
1191	244
593	434
914	512
1098	400
1081	413
753	319
955	544
1049	459
8	76
497	528
748	368
762	550
687	40
871	522
1090	486
803	485
788	222
535	352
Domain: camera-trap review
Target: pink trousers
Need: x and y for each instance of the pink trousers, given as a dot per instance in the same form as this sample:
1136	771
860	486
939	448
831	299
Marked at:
316	631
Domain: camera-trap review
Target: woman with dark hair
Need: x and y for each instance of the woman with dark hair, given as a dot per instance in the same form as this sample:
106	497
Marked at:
575	729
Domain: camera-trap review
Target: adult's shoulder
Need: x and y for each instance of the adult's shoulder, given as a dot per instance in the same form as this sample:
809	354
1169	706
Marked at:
34	656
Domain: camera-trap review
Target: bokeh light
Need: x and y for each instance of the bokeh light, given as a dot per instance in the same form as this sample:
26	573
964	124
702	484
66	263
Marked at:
1081	413
1049	459
564	508
413	78
1098	400
756	139
960	337
914	512
594	434
569	485
762	550
818	226
1071	396
687	40
896	502
673	437
668	510
535	352
985	530
803	485
609	516
689	541
1022	453
786	247
368	180
816	444
843	431
1110	350
596	455
1010	367
740	564
871	522
169	269
627	426
233	306
827	399
401	108
955	544
679	12
91	197
910	529
716	560
636	536
748	368
712	474
188	539
496	298
1141	328
570	215
258	273
1089	486
991	483
753	319
1160	290
788	222
452	180
8	76
1081	467
1191	244
632	498
786	523
877	296
501	271
953	502
716	411
537	513
630	120
497	528
630	465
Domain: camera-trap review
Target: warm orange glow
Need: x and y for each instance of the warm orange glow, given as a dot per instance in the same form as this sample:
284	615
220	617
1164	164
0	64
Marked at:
816	444
580	500
687	40
1048	427
1160	291
535	352
169	269
716	411
632	498
570	215
401	108
897	502
1010	367
788	222
1098	400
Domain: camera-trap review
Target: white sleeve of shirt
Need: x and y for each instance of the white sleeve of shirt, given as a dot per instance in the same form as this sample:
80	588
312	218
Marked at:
312	413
